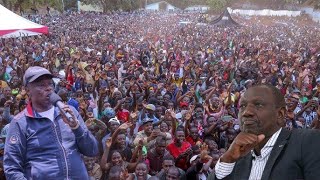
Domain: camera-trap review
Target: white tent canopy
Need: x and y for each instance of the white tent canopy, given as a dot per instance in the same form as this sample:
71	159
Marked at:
13	25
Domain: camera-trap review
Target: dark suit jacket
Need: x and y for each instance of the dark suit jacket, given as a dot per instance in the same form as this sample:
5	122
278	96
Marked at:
295	155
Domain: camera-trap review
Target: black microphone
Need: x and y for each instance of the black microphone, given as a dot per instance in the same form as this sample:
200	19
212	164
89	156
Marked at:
56	100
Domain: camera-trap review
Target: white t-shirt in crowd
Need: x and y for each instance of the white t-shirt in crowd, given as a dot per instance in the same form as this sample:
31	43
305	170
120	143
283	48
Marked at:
48	114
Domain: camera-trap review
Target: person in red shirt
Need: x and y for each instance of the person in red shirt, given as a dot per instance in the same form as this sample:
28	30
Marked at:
180	150
123	115
122	110
193	138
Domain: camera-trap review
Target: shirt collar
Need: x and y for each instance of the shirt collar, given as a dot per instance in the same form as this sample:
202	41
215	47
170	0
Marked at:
30	112
265	151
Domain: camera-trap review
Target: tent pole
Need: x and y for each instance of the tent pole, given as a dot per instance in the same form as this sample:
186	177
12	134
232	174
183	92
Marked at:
78	5
62	1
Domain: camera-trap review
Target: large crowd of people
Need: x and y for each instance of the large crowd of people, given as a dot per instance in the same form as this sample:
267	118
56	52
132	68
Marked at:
162	97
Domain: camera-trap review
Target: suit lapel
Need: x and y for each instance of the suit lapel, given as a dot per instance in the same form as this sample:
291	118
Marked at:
276	150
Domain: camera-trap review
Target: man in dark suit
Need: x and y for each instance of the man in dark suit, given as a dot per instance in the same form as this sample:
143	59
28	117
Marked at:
264	150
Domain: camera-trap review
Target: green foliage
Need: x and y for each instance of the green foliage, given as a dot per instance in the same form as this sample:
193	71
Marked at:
70	4
182	4
17	5
111	5
218	5
127	5
163	6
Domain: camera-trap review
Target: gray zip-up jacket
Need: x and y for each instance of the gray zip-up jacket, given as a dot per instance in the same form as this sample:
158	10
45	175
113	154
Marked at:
37	148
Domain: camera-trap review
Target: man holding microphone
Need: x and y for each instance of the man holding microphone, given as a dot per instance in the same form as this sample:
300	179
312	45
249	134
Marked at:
42	143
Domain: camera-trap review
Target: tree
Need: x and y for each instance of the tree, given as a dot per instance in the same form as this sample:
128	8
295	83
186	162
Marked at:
21	5
70	4
163	6
113	5
218	5
182	4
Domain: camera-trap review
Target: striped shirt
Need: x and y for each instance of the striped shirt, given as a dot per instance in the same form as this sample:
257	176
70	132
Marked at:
258	162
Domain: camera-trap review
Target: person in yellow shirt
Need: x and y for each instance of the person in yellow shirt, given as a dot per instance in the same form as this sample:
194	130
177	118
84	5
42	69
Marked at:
3	84
177	80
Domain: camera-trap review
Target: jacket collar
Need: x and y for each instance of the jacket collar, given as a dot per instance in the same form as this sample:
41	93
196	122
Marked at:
277	149
245	164
29	112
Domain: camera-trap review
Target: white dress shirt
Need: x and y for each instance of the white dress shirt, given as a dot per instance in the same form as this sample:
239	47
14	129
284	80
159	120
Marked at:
258	162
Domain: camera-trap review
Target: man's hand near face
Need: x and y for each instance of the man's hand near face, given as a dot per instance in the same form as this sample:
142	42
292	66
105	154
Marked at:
241	146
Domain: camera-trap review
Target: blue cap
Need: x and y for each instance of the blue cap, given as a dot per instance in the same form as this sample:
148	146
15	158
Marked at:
109	112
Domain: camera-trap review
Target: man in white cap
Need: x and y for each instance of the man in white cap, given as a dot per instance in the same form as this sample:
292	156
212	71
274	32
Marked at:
148	113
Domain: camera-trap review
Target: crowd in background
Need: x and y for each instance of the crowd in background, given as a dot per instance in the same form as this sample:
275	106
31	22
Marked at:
161	97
